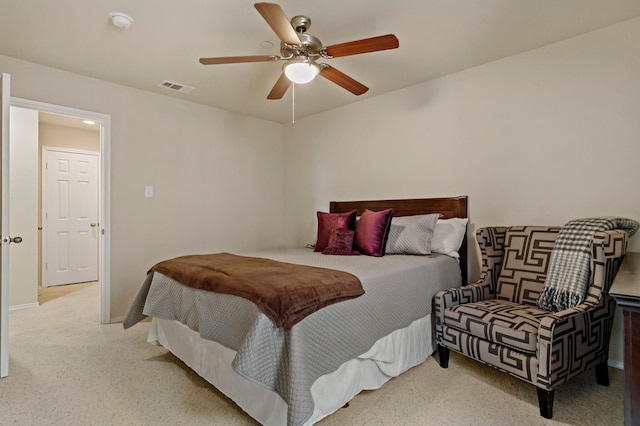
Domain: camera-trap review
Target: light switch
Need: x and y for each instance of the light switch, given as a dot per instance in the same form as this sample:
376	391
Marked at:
148	191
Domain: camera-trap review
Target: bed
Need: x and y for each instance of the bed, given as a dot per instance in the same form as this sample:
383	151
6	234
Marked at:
300	375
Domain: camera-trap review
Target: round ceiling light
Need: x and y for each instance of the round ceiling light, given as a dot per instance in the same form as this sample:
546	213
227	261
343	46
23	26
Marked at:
121	20
301	71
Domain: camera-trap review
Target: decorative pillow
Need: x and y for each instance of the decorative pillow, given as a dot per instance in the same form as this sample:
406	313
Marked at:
372	231
327	222
341	243
411	234
448	236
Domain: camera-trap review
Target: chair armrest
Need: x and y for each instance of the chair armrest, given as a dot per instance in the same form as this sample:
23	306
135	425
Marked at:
456	296
491	242
572	340
460	295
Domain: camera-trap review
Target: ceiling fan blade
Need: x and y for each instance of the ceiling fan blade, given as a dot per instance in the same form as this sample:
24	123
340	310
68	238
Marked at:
365	45
278	21
343	80
237	59
280	88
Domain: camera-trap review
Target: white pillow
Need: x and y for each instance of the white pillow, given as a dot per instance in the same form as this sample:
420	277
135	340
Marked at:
448	236
411	234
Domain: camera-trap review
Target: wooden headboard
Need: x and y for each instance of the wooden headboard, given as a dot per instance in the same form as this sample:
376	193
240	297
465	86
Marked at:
447	207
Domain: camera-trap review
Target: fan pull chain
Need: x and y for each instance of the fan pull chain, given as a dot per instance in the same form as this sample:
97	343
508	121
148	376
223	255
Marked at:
293	105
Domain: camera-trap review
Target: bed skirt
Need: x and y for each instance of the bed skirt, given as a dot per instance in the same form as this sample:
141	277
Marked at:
389	357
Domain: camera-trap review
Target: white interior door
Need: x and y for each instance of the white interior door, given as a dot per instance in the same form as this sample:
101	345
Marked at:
23	214
4	224
70	201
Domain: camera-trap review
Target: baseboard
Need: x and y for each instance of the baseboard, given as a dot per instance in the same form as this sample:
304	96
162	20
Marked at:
116	320
616	364
25	306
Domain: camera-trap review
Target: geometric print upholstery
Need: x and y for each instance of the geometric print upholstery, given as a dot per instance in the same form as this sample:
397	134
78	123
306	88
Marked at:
491	243
517	363
511	324
527	250
496	321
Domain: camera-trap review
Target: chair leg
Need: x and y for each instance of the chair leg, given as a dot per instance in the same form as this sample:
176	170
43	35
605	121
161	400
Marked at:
443	354
545	401
602	374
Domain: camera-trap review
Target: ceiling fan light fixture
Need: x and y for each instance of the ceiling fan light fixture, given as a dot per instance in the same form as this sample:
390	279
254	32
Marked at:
301	71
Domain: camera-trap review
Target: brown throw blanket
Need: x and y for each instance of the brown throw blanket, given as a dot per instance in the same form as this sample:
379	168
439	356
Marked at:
285	292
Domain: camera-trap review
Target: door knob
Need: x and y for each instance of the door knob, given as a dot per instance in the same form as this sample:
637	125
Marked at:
7	240
93	225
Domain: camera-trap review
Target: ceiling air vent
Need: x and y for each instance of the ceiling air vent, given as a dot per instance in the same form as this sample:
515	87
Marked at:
182	88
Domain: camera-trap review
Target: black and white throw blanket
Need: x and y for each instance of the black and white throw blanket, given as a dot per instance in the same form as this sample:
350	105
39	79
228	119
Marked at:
569	267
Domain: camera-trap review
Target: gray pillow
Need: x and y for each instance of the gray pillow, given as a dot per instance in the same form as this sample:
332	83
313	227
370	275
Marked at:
411	234
448	236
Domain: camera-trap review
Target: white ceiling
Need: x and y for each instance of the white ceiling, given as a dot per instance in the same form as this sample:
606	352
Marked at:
437	37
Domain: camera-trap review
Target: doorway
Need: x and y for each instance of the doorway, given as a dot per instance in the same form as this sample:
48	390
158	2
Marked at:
102	227
70	220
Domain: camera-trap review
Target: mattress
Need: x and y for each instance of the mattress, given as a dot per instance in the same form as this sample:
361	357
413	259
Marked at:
399	290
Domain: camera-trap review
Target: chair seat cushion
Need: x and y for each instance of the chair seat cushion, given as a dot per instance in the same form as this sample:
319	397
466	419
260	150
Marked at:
506	323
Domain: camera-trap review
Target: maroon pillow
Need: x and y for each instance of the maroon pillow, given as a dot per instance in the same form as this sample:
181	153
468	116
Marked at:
327	222
341	243
372	231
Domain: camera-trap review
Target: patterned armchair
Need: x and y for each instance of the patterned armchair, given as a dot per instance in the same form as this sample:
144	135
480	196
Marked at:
497	321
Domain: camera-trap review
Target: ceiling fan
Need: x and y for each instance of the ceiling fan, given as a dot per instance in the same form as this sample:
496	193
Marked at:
301	51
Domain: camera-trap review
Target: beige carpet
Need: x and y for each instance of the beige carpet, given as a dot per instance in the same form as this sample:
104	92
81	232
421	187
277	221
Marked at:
50	293
67	369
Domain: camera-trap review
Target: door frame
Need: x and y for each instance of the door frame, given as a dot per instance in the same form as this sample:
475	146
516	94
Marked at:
104	264
5	107
45	202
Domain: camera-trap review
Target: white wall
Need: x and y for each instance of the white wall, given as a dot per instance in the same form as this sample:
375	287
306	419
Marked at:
538	138
68	137
217	176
